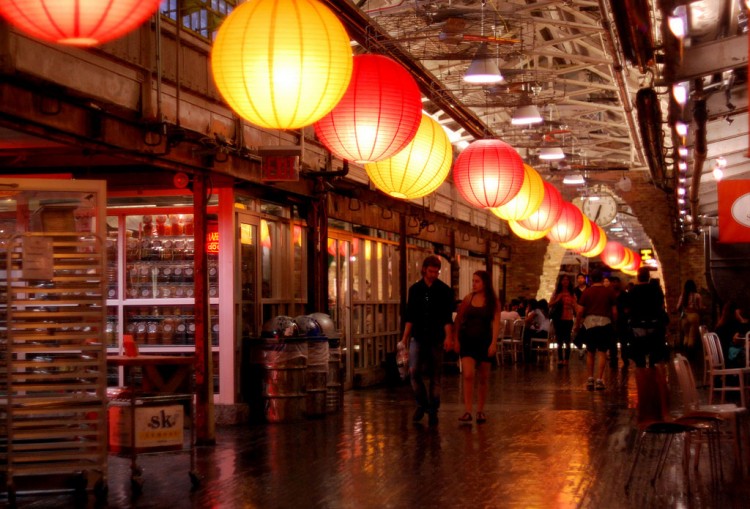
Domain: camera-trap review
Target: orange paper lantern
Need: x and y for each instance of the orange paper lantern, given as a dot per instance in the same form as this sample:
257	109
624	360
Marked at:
548	212
528	199
378	115
418	169
613	253
488	173
596	244
78	22
568	225
282	64
582	238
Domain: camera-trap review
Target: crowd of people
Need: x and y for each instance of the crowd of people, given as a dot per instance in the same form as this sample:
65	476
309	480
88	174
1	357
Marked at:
594	313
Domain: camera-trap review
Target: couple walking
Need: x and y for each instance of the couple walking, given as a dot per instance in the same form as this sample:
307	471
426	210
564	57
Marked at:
429	332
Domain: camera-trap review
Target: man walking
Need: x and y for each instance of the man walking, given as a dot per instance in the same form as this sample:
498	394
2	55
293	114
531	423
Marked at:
429	325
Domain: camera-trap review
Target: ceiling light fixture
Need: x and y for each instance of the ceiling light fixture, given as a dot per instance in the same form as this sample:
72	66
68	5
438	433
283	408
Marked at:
681	128
678	22
483	70
551	153
575	179
525	115
681	92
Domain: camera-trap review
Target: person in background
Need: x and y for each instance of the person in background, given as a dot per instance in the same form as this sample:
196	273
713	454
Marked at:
731	328
512	312
596	311
581	285
537	323
689	305
648	322
523	304
478	327
562	311
429	326
622	327
616	286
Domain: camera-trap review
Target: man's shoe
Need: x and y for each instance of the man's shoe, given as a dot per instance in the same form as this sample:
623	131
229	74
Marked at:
599	385
590	384
418	414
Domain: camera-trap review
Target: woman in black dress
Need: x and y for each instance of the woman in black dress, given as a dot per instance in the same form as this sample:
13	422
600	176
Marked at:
478	326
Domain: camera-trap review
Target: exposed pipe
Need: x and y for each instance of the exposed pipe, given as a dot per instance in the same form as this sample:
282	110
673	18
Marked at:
700	151
618	71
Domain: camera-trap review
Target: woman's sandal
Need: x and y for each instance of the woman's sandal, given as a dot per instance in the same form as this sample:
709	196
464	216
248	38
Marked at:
465	418
481	418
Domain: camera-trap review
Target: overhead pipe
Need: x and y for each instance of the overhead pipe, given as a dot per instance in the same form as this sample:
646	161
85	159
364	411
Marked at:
618	70
700	151
649	122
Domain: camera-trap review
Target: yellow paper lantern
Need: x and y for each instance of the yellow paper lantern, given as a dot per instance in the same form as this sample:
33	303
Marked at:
418	169
598	247
525	233
282	64
528	199
578	242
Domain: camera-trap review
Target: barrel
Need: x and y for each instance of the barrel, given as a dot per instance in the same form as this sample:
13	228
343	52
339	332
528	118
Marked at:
316	376
278	379
333	385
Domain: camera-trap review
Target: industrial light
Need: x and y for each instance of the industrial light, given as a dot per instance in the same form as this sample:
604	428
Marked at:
551	153
718	169
681	191
682	151
680	91
483	70
682	165
678	22
574	180
681	128
524	115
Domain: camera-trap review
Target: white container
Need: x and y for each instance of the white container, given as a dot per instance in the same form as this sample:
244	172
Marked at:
157	428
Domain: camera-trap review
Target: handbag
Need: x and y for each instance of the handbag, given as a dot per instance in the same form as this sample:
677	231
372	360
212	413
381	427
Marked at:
556	311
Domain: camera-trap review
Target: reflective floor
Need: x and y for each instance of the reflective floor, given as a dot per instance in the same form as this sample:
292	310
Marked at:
548	443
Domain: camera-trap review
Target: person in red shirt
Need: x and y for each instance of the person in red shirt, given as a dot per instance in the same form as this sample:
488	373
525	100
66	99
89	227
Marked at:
596	312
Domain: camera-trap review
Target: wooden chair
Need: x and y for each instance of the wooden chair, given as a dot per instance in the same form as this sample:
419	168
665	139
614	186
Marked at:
691	404
718	370
653	419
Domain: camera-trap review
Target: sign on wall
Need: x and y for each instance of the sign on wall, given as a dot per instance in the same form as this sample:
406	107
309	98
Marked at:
734	211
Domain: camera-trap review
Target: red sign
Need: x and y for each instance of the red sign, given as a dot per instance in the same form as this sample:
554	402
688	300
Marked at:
279	167
212	238
734	211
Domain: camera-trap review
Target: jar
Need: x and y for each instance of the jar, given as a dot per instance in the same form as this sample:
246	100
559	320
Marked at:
111	292
148	226
140	332
190	336
213	291
152	333
213	273
177	274
180	331
167	331
189	225
165	274
188	274
161	221
145	292
179	292
144	273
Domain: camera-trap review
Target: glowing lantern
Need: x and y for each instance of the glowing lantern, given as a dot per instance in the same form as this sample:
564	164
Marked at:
568	225
281	64
626	260
488	173
525	233
629	272
613	253
528	199
378	115
78	22
419	168
596	244
548	212
634	265
582	238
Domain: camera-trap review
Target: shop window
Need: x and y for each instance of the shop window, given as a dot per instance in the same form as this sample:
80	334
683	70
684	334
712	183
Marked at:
202	17
283	268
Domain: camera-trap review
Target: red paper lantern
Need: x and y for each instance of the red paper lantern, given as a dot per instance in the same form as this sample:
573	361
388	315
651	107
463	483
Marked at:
378	115
626	260
635	264
568	225
582	238
596	244
78	22
488	173
548	212
613	253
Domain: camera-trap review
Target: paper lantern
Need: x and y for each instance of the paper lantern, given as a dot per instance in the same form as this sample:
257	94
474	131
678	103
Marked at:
596	244
613	253
548	212
378	115
419	168
634	264
568	225
525	233
582	238
78	22
528	199
626	259
281	64
488	173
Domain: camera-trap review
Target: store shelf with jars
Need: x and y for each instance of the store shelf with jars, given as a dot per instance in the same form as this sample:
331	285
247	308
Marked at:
153	256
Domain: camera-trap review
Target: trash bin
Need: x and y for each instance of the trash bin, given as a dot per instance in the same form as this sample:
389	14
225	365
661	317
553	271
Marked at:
316	375
278	366
334	387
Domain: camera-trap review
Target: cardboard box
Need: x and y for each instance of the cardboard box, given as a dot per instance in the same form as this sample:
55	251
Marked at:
157	428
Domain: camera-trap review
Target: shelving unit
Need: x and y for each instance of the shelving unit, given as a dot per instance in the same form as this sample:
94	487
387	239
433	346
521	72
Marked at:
53	372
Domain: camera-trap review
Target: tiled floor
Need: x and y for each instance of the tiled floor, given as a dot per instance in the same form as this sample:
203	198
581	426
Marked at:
548	443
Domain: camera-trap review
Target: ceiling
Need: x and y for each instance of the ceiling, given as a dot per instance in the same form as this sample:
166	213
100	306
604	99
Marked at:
585	65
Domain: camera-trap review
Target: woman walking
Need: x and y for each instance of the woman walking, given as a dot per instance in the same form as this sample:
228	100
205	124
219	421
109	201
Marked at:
562	306
478	326
689	307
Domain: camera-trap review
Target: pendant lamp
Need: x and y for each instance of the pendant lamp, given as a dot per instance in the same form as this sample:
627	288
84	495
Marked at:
568	225
420	168
596	244
378	115
525	233
483	70
582	238
77	22
613	253
528	199
488	173
548	212
281	64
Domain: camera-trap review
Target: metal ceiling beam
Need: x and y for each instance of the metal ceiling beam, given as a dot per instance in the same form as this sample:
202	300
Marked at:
709	58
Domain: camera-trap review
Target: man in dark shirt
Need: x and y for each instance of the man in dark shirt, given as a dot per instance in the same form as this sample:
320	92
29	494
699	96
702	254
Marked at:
429	325
648	322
